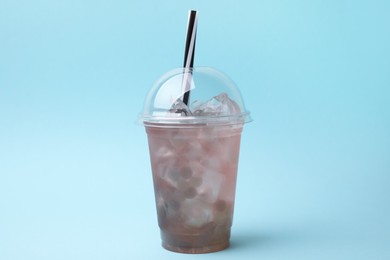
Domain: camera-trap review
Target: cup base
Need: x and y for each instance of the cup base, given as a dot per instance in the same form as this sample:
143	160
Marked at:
194	244
199	250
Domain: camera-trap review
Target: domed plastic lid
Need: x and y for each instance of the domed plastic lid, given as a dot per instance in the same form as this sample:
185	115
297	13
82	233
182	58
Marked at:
199	95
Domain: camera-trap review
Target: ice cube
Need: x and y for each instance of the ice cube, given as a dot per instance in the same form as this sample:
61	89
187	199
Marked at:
197	212
229	107
181	108
219	105
211	186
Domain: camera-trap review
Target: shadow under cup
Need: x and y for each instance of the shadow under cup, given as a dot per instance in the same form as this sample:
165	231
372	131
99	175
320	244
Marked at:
194	174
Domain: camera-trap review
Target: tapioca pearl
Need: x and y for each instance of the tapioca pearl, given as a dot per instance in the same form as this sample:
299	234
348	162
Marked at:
173	174
190	193
182	185
220	205
196	181
223	216
185	172
186	189
172	205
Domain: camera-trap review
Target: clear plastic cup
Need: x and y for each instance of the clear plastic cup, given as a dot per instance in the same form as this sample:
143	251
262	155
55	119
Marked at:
194	153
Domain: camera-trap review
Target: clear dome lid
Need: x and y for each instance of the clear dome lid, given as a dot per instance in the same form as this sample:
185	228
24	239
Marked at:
200	95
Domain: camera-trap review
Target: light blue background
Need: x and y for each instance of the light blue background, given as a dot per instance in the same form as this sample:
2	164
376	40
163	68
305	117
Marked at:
314	173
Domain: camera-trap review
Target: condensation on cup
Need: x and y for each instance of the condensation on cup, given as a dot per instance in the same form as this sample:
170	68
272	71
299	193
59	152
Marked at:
194	151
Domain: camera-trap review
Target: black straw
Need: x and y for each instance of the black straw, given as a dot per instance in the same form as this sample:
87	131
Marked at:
189	50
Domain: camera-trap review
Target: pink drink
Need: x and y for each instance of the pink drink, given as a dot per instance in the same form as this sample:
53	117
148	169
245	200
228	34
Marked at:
194	174
194	149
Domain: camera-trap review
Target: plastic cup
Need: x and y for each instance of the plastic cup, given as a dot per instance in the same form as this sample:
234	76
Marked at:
194	158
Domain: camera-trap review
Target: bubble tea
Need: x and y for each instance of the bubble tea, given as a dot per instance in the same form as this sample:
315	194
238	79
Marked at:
194	151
